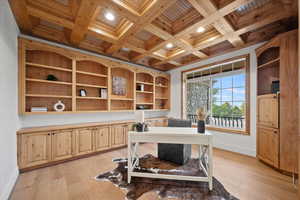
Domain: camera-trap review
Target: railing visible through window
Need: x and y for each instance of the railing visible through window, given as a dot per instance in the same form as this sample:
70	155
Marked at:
221	90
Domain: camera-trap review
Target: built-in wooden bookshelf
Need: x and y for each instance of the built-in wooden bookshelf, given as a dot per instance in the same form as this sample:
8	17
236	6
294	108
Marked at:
144	91
267	70
74	72
162	93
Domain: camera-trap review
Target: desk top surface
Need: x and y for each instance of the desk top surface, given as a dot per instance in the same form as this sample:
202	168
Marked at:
178	131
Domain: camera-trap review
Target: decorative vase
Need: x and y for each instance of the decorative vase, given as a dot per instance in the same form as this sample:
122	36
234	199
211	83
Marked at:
59	106
201	126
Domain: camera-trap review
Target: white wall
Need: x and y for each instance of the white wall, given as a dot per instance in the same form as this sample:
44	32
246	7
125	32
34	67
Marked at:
8	110
229	141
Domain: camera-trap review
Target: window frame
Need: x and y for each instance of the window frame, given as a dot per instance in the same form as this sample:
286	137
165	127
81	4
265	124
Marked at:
247	94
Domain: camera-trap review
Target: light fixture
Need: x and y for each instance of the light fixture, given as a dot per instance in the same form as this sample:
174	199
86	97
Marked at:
169	45
211	39
126	49
109	16
200	29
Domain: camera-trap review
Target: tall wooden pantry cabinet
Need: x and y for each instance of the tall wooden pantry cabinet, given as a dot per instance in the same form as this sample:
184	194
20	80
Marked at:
277	102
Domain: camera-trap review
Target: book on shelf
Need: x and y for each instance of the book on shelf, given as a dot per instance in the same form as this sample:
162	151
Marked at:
39	109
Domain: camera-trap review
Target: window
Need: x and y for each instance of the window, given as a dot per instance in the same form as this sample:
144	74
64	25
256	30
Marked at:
222	90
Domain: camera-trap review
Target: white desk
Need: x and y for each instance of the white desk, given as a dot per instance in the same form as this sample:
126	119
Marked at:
172	135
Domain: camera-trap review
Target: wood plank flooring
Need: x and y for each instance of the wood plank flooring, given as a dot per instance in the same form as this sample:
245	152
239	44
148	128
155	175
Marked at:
244	177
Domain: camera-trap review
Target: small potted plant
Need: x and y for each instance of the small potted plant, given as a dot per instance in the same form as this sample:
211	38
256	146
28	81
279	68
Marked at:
201	116
140	127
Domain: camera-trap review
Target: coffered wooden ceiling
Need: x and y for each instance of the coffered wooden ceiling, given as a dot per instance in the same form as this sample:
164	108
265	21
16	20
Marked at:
163	34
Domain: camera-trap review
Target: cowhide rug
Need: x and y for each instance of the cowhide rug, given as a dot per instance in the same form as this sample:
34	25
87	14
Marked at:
184	190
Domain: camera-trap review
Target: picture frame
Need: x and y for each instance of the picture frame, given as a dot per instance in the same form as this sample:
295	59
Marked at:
119	86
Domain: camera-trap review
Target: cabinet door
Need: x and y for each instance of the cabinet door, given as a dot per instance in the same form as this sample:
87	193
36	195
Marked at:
267	110
84	141
268	145
35	149
62	144
102	138
118	134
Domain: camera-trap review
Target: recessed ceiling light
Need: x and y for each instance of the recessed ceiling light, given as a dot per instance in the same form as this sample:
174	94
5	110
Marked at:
126	49
200	29
109	16
212	38
169	45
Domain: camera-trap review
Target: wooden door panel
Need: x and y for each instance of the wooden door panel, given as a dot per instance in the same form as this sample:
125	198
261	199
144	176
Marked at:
118	135
62	145
267	110
268	145
35	149
102	138
84	141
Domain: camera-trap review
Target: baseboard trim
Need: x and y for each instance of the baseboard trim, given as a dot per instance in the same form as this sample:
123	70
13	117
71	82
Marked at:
8	188
235	149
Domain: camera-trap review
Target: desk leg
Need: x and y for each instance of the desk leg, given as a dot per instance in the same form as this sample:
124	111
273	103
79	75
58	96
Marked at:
129	160
200	156
210	166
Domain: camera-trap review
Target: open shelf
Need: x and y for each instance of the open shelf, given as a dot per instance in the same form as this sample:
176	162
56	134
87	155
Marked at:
268	70
48	67
49	96
99	98
127	88
143	103
162	93
146	83
91	68
121	104
91	74
46	81
48	58
147	92
88	104
122	99
93	86
270	63
47	102
162	86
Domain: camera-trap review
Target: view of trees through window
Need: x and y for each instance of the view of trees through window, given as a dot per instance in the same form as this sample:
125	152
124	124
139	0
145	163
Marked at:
223	95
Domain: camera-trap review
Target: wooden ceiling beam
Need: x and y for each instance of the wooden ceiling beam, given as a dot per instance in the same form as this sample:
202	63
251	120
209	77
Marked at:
209	19
49	17
218	39
21	15
83	19
118	8
155	30
206	8
148	16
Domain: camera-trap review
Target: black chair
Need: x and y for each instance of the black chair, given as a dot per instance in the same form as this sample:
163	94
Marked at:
176	153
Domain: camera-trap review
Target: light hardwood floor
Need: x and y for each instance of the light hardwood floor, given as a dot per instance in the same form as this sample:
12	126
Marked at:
243	176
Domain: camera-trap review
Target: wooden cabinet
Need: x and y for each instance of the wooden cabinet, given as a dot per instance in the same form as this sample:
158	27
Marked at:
35	149
278	64
84	141
268	145
61	144
42	146
267	110
102	138
118	135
